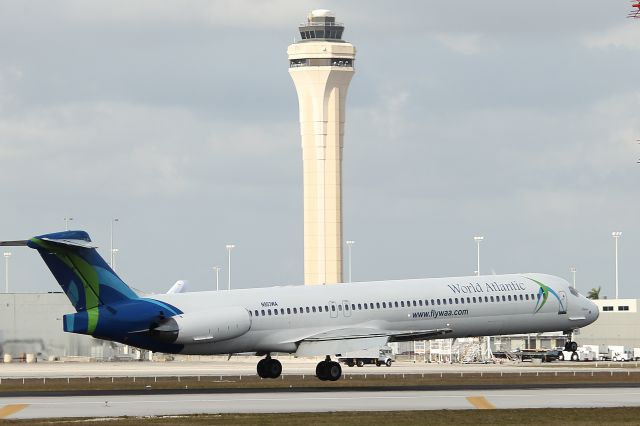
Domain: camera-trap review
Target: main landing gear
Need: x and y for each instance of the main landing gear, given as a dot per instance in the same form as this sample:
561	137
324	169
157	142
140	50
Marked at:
328	370
269	368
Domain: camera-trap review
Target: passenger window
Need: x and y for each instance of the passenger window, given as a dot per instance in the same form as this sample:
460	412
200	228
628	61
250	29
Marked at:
461	300
295	310
256	313
479	299
486	299
340	308
269	311
288	311
414	303
450	301
433	302
408	303
426	302
402	303
420	302
526	296
396	303
346	307
326	308
371	305
263	312
353	306
359	306
509	298
474	300
492	298
282	311
438	301
444	301
319	308
456	299
504	299
313	308
366	306
384	304
275	312
378	305
307	309
468	300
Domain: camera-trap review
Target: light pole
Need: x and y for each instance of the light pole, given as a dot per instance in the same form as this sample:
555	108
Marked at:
349	244
573	272
478	239
616	236
66	223
113	258
113	221
229	248
7	255
217	269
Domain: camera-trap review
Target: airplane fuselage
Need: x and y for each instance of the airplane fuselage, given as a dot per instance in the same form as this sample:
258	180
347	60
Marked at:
281	317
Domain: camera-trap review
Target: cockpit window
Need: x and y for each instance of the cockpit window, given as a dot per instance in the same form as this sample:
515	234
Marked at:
574	291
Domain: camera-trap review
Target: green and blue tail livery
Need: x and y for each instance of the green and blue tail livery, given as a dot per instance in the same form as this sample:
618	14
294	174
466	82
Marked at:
105	306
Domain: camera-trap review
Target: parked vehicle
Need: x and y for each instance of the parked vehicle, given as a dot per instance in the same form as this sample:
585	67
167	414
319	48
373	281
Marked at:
553	355
380	356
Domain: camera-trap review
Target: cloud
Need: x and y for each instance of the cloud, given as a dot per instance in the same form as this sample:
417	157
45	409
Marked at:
466	44
625	36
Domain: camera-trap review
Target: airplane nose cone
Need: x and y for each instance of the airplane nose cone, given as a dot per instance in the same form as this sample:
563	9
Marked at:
594	312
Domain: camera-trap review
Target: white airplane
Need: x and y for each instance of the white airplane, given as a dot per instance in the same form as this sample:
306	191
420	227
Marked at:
304	320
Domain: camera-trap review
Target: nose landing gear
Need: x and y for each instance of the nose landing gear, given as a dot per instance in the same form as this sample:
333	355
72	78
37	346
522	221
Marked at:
269	368
328	370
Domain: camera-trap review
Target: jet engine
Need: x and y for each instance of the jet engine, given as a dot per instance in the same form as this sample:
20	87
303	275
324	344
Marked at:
210	326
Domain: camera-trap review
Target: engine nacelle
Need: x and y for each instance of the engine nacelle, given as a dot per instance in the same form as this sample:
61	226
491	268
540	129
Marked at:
204	326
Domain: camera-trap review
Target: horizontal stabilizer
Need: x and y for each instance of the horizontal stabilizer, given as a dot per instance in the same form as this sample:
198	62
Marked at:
73	243
14	243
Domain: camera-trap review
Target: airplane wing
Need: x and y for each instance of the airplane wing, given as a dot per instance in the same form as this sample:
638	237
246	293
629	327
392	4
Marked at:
345	340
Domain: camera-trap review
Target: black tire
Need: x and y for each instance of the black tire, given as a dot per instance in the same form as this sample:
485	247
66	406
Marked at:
560	356
334	371
351	363
274	368
388	363
575	357
378	364
360	363
573	346
261	368
320	370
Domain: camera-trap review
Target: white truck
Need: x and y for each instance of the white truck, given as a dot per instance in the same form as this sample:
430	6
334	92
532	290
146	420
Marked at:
636	354
377	356
620	353
588	353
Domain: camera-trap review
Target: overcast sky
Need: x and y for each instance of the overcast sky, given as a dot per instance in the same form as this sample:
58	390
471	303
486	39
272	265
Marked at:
508	119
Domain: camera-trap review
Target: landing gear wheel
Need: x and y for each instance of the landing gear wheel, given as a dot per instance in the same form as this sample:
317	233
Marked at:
274	369
269	368
262	369
320	370
334	371
575	357
573	346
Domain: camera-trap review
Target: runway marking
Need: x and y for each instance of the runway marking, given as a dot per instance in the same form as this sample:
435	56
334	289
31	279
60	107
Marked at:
481	403
8	410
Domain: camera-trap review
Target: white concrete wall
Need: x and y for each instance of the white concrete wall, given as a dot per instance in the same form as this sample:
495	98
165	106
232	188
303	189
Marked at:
32	323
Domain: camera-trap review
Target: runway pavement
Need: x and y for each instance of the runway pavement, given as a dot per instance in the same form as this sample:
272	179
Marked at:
328	400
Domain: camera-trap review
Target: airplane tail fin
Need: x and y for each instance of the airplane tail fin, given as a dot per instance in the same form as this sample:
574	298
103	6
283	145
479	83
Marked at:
84	276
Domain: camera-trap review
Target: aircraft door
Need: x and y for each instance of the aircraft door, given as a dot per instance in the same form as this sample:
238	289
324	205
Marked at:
333	310
346	308
562	308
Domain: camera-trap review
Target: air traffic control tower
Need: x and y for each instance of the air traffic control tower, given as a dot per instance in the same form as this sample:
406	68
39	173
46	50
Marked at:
321	66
